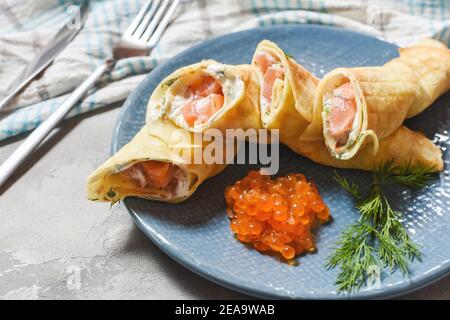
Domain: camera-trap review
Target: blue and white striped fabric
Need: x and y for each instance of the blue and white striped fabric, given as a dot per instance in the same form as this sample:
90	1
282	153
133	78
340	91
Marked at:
27	25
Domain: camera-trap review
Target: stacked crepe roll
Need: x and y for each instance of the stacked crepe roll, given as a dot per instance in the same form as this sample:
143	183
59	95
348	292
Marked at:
160	162
151	167
207	95
350	119
287	91
359	106
337	118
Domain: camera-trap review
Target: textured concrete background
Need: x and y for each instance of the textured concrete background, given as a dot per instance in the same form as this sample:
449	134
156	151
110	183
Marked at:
54	244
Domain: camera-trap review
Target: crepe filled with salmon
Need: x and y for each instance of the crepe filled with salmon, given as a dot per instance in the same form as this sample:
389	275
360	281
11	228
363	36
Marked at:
403	147
287	91
208	95
359	107
289	95
152	166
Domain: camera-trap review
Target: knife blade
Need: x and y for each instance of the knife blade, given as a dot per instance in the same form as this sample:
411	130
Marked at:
45	57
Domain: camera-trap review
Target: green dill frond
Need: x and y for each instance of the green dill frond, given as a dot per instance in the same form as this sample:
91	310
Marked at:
371	207
170	81
350	186
355	257
408	175
390	254
379	237
382	172
416	176
111	194
289	56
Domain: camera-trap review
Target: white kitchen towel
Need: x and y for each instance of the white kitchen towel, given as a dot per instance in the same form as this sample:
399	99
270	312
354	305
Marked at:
28	25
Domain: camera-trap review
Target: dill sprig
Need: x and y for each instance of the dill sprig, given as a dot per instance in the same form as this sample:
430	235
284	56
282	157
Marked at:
410	176
378	240
350	186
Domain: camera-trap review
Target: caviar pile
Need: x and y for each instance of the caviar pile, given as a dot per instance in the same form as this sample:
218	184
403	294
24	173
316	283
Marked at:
276	214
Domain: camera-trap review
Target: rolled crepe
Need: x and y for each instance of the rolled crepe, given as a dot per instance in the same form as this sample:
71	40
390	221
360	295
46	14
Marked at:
355	106
208	95
287	91
403	147
293	110
156	167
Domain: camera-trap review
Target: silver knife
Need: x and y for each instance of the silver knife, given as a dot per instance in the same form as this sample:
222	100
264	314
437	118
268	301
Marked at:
47	55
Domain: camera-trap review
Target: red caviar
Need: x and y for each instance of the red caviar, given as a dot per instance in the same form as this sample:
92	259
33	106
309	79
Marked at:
276	214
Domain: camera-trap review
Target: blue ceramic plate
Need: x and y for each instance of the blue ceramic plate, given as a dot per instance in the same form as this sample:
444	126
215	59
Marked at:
196	233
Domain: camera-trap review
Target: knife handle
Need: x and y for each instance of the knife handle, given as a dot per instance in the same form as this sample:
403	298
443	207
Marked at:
36	137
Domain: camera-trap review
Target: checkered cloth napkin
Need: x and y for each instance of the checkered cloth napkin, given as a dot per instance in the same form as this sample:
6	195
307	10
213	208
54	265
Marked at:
27	25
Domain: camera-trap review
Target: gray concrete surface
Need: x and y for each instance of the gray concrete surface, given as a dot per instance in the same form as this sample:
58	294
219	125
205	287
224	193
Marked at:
54	244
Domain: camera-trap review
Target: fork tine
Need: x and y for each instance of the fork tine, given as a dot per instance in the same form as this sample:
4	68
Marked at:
137	20
156	20
146	19
162	26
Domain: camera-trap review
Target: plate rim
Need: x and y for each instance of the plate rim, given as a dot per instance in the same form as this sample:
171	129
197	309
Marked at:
405	287
400	289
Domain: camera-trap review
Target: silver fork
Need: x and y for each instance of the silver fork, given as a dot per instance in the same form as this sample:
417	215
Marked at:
139	39
146	29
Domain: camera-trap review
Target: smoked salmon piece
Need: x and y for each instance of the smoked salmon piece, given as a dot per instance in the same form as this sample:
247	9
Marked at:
342	113
264	60
271	71
201	110
272	74
156	173
208	99
205	86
